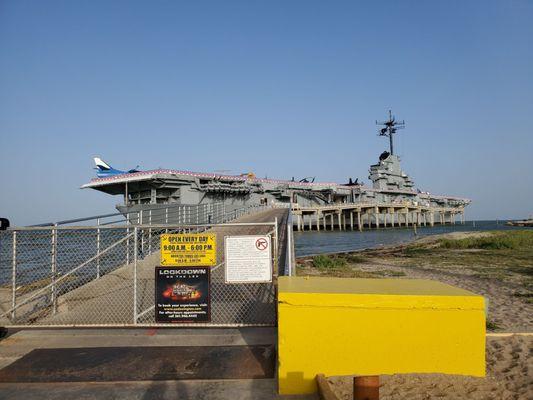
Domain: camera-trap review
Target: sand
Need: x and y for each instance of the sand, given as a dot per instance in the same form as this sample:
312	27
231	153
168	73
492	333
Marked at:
507	289
509	376
507	311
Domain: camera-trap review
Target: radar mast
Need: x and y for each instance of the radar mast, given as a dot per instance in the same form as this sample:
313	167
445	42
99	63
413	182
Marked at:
389	129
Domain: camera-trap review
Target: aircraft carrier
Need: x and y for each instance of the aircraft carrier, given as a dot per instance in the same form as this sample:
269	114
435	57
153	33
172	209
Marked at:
392	192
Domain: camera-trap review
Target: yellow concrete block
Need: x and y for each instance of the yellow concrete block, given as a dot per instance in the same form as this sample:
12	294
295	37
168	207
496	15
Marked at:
341	326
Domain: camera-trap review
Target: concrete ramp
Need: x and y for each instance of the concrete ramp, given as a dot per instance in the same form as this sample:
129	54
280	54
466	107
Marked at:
109	299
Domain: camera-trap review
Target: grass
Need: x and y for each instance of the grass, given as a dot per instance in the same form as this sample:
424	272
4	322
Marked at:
329	261
501	255
323	261
491	325
345	265
415	251
513	240
354	258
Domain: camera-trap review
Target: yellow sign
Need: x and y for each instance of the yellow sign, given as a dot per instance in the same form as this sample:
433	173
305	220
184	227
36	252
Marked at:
184	249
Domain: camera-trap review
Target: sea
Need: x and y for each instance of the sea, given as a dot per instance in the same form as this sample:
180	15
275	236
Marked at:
76	247
312	242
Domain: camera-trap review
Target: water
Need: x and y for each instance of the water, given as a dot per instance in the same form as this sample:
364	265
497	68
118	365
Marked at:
312	242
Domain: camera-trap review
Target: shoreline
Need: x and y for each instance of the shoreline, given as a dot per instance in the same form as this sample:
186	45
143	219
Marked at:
400	245
478	261
311	243
501	275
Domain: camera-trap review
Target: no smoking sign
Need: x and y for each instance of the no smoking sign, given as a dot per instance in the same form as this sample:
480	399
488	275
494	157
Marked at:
261	244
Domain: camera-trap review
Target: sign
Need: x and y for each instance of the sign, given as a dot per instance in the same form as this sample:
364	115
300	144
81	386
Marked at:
248	259
182	295
183	249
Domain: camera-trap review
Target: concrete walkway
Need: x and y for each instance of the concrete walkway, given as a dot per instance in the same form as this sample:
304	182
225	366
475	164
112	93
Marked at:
18	344
109	299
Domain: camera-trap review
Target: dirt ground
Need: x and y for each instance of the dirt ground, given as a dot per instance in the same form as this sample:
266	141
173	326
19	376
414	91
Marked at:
498	266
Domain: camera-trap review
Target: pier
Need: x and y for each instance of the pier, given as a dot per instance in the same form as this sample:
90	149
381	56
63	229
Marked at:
115	287
114	290
357	216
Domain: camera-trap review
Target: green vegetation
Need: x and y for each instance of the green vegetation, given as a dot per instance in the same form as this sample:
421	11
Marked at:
491	325
502	255
353	258
323	261
506	256
414	251
496	241
501	261
345	265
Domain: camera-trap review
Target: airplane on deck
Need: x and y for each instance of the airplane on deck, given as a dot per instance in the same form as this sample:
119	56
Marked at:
104	170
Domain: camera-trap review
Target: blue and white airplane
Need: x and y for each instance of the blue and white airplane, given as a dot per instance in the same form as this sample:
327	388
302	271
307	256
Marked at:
104	170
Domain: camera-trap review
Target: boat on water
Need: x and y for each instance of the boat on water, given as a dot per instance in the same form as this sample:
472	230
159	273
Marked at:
152	189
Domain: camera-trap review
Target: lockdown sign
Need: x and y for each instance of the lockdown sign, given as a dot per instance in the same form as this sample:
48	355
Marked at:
182	294
184	249
248	259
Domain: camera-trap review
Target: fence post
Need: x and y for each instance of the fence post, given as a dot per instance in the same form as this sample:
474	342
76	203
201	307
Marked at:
166	219
135	244
54	269
14	278
276	245
150	232
142	232
128	239
98	248
289	244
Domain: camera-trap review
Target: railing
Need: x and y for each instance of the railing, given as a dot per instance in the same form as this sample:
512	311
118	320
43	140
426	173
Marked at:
49	285
40	264
366	204
164	214
96	220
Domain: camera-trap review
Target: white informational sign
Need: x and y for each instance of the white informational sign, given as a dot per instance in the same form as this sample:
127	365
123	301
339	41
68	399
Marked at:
248	259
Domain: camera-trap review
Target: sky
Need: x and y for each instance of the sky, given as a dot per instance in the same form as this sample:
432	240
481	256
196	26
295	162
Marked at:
278	88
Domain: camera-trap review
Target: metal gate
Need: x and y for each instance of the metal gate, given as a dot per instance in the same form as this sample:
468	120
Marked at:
104	276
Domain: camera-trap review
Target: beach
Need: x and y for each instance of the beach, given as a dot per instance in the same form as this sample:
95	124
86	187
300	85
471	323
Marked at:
497	265
509	376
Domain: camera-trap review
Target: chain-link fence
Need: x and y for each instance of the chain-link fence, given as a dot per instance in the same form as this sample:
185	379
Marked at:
104	275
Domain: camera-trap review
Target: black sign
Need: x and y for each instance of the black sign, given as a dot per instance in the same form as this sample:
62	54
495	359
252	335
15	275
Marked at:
182	294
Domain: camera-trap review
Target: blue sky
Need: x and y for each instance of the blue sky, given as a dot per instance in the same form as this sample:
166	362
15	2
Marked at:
280	88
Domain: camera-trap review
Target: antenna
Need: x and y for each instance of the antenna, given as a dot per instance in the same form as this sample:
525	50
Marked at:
389	129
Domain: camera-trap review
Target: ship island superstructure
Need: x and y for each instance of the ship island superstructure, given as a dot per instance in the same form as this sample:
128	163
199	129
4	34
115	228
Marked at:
392	200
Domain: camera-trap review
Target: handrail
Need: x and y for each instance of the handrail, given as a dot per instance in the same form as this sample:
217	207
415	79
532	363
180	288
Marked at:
209	214
70	221
54	282
216	209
